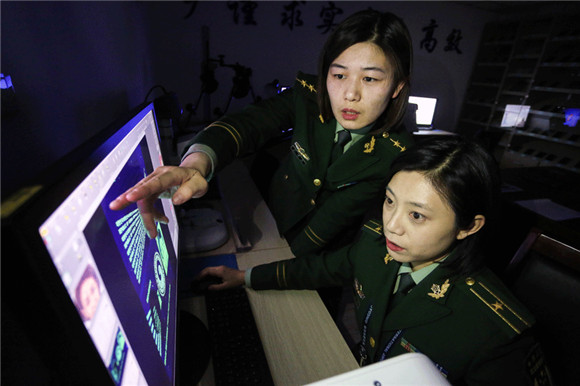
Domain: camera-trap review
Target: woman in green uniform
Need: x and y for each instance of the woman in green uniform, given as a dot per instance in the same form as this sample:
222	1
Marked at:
321	190
418	277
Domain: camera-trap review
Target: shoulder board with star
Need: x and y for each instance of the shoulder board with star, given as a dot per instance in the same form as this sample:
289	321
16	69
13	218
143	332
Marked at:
396	141
373	227
306	83
499	304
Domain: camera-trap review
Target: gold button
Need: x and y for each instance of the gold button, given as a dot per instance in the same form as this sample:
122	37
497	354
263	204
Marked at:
316	182
469	281
385	135
372	341
285	176
312	202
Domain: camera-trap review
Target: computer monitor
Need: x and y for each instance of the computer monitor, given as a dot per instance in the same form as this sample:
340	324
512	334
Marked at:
515	116
425	111
92	292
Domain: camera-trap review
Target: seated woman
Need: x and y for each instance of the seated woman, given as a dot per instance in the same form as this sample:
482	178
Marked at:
439	204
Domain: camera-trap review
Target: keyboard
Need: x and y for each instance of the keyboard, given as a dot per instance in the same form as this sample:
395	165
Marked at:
237	352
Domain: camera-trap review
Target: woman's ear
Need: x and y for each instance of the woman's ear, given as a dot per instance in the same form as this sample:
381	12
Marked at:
398	90
477	223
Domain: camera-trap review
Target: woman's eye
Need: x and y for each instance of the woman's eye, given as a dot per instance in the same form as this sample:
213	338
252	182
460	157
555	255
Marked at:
388	200
417	216
369	79
338	76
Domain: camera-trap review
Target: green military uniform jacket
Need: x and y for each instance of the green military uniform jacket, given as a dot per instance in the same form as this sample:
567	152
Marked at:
472	328
311	199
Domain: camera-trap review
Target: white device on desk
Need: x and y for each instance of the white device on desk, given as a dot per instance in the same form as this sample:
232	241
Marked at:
406	369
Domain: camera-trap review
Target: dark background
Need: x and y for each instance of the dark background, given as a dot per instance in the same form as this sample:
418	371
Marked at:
77	66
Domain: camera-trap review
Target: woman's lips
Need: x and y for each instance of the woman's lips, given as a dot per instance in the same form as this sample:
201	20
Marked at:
350	115
393	247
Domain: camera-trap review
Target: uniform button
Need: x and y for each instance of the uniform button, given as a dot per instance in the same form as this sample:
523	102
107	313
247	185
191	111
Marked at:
372	341
469	281
312	202
385	135
285	176
316	182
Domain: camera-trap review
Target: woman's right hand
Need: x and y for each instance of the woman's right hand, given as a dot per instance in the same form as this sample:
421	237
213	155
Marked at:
189	178
230	277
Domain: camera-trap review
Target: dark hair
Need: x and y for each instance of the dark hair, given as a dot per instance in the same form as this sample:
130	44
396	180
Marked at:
467	177
389	33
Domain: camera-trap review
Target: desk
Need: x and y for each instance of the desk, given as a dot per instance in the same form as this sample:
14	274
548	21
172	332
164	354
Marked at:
300	339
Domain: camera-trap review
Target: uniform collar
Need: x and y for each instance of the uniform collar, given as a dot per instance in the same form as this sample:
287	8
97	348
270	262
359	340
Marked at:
419	275
355	134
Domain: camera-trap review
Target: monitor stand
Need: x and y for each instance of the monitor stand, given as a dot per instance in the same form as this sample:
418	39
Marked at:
193	349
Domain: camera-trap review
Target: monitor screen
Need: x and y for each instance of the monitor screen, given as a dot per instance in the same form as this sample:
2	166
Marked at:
122	284
425	110
515	116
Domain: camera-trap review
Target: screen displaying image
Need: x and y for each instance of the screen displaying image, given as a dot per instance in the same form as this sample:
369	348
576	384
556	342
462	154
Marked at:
122	283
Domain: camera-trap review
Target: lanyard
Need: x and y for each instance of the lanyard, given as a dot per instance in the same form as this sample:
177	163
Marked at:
362	349
390	344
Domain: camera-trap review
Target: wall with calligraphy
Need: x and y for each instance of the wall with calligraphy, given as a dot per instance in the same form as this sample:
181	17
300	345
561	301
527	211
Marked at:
276	39
76	66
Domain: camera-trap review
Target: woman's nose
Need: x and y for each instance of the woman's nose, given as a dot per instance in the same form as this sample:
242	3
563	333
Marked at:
352	92
393	224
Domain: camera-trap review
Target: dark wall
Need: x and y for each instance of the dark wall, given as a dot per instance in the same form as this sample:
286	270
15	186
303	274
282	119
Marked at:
75	67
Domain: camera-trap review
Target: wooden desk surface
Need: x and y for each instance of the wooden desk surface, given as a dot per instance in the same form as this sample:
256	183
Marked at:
301	341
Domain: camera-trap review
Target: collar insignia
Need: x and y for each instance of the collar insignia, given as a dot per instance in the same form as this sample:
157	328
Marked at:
321	119
370	146
300	153
388	258
358	288
438	291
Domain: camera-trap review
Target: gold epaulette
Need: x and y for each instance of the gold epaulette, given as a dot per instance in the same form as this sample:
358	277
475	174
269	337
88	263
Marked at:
374	227
395	142
512	316
307	85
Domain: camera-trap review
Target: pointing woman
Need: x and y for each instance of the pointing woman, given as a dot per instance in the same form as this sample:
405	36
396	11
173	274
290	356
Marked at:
345	133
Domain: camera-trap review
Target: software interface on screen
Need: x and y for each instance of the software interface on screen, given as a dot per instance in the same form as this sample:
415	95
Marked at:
122	283
425	110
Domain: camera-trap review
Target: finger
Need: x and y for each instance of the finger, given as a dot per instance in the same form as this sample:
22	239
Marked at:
208	271
162	179
195	187
150	215
131	195
219	287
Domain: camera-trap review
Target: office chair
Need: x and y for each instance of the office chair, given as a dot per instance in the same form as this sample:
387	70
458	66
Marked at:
545	276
